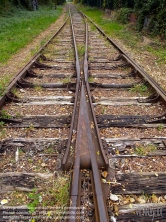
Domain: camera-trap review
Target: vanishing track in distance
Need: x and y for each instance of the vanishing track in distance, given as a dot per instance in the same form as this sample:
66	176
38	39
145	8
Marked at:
83	110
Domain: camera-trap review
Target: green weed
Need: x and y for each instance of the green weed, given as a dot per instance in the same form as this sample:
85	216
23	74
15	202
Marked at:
38	88
35	198
139	88
143	150
4	114
160	127
66	80
90	79
3	83
2	131
30	128
14	91
81	50
1	124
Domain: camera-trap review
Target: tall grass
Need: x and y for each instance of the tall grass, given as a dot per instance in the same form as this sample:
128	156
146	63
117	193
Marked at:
125	32
110	27
21	27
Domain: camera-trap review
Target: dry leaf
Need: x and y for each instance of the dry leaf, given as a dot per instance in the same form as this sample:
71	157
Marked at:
4	201
130	205
104	174
154	198
104	181
98	152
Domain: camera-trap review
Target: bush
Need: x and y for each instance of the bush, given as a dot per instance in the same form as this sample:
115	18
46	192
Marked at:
154	10
122	15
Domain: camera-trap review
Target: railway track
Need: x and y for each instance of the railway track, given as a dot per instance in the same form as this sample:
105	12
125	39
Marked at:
83	134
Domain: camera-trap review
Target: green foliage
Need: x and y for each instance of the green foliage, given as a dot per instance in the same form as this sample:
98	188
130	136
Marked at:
66	80
35	199
160	127
1	124
81	50
4	114
122	15
90	79
21	27
140	88
152	10
3	81
143	150
97	16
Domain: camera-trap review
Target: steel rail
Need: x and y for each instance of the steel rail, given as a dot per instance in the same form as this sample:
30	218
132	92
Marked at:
90	99
74	191
86	142
101	203
65	162
148	78
30	63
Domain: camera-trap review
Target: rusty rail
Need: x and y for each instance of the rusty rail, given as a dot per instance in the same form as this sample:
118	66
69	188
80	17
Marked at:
88	143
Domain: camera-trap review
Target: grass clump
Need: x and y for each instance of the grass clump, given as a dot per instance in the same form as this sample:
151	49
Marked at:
139	88
90	79
66	80
143	150
4	114
160	127
2	124
81	50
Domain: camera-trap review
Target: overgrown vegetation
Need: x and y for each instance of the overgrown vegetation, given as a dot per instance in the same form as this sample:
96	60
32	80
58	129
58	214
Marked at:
52	193
125	32
150	13
21	27
7	6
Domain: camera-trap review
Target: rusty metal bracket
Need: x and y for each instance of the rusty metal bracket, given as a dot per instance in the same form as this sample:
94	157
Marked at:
119	57
11	97
41	65
31	73
156	119
154	98
10	120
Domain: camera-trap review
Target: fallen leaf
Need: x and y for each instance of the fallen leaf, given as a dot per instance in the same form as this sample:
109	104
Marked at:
130	205
98	152
114	197
104	181
4	201
104	174
154	198
43	165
